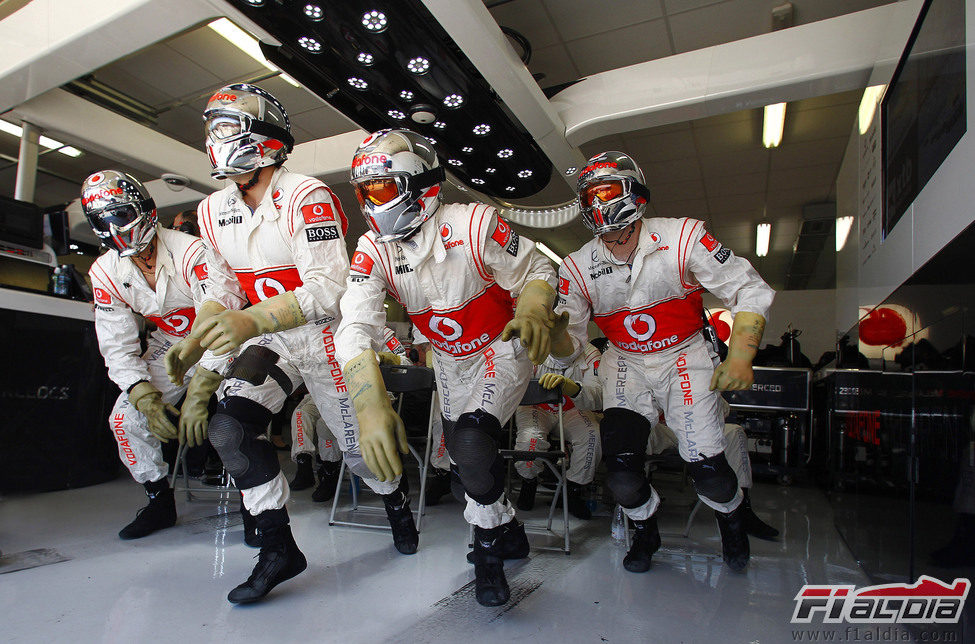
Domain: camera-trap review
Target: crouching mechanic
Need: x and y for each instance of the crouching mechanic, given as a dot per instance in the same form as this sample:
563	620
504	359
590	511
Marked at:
156	273
582	393
662	437
641	281
273	239
310	436
455	269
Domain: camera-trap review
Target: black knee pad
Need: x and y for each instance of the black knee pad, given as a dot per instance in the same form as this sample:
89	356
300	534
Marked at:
473	445
456	485
256	364
713	478
234	432
624	436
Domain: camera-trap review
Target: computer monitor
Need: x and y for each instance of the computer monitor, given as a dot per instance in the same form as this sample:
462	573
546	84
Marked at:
21	223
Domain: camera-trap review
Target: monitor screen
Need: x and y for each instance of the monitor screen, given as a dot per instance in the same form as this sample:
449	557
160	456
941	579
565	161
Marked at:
21	223
924	108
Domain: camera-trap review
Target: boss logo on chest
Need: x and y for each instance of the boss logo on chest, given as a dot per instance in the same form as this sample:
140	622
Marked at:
321	233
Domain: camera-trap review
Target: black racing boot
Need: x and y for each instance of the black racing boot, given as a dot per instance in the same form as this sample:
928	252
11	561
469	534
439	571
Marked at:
305	475
279	559
405	537
437	486
159	514
328	477
526	496
646	541
958	551
753	525
577	505
490	586
734	539
514	541
251	536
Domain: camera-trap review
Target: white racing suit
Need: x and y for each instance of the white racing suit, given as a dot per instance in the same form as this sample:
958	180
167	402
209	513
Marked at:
309	433
438	447
657	359
293	241
537	422
121	292
456	277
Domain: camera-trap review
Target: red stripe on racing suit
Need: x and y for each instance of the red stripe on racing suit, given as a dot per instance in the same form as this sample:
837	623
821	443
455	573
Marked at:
466	330
654	328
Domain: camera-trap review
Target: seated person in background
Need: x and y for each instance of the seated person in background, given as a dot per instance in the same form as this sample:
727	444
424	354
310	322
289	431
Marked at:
582	393
663	437
156	273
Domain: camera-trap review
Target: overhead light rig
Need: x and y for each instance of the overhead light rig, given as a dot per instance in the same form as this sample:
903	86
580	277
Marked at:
391	64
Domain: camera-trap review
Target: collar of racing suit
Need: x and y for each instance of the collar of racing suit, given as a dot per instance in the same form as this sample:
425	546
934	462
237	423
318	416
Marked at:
426	242
266	204
645	245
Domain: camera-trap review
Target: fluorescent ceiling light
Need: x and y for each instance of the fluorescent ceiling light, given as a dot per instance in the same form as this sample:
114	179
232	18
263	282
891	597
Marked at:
762	236
45	141
548	252
774	122
843	226
868	107
247	44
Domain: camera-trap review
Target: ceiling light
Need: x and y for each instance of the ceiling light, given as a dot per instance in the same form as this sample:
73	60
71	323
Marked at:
524	174
358	83
440	125
482	129
490	170
467	149
453	100
868	106
310	44
763	233
247	44
432	140
510	188
72	246
505	153
44	141
314	12
843	226
477	181
396	114
406	95
455	162
364	58
774	122
418	65
548	252
374	21
254	3
571	170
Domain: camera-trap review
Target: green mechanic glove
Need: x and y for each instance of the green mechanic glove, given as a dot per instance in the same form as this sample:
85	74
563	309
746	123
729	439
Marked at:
194	416
226	331
148	400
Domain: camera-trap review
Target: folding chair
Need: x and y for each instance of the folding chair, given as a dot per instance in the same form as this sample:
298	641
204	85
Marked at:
398	380
225	487
538	395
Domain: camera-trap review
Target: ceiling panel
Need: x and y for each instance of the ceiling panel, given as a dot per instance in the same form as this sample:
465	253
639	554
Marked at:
752	201
619	48
720	23
667	146
813	125
669	171
169	72
728	137
819	176
680	191
677	6
739	184
528	17
555	63
219	56
747	161
575	19
809	153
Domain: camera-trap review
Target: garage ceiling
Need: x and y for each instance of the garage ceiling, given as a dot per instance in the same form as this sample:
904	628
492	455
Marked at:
713	169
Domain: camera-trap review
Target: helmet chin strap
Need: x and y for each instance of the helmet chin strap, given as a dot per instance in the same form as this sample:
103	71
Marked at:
244	187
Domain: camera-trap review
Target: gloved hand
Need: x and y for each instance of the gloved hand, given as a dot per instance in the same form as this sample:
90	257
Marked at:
187	352
226	331
534	320
194	416
148	400
735	373
381	431
552	380
389	358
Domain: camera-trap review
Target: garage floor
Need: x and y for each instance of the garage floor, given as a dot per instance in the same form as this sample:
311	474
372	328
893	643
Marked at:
171	586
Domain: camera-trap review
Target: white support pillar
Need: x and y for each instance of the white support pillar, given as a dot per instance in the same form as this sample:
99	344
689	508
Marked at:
27	163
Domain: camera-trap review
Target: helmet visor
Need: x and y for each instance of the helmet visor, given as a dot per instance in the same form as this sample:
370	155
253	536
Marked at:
376	191
115	219
221	127
604	190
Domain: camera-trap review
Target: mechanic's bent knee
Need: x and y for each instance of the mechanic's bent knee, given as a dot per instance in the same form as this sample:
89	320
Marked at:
235	432
473	445
713	478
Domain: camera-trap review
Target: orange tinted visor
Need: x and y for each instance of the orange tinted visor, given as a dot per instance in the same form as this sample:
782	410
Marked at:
605	190
376	191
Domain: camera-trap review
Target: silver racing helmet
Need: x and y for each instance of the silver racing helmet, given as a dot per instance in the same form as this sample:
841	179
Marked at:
612	192
246	128
120	211
396	177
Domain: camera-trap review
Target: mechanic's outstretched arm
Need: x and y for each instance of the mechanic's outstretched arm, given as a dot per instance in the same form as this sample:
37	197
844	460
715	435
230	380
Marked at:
381	430
534	320
735	373
188	351
227	330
